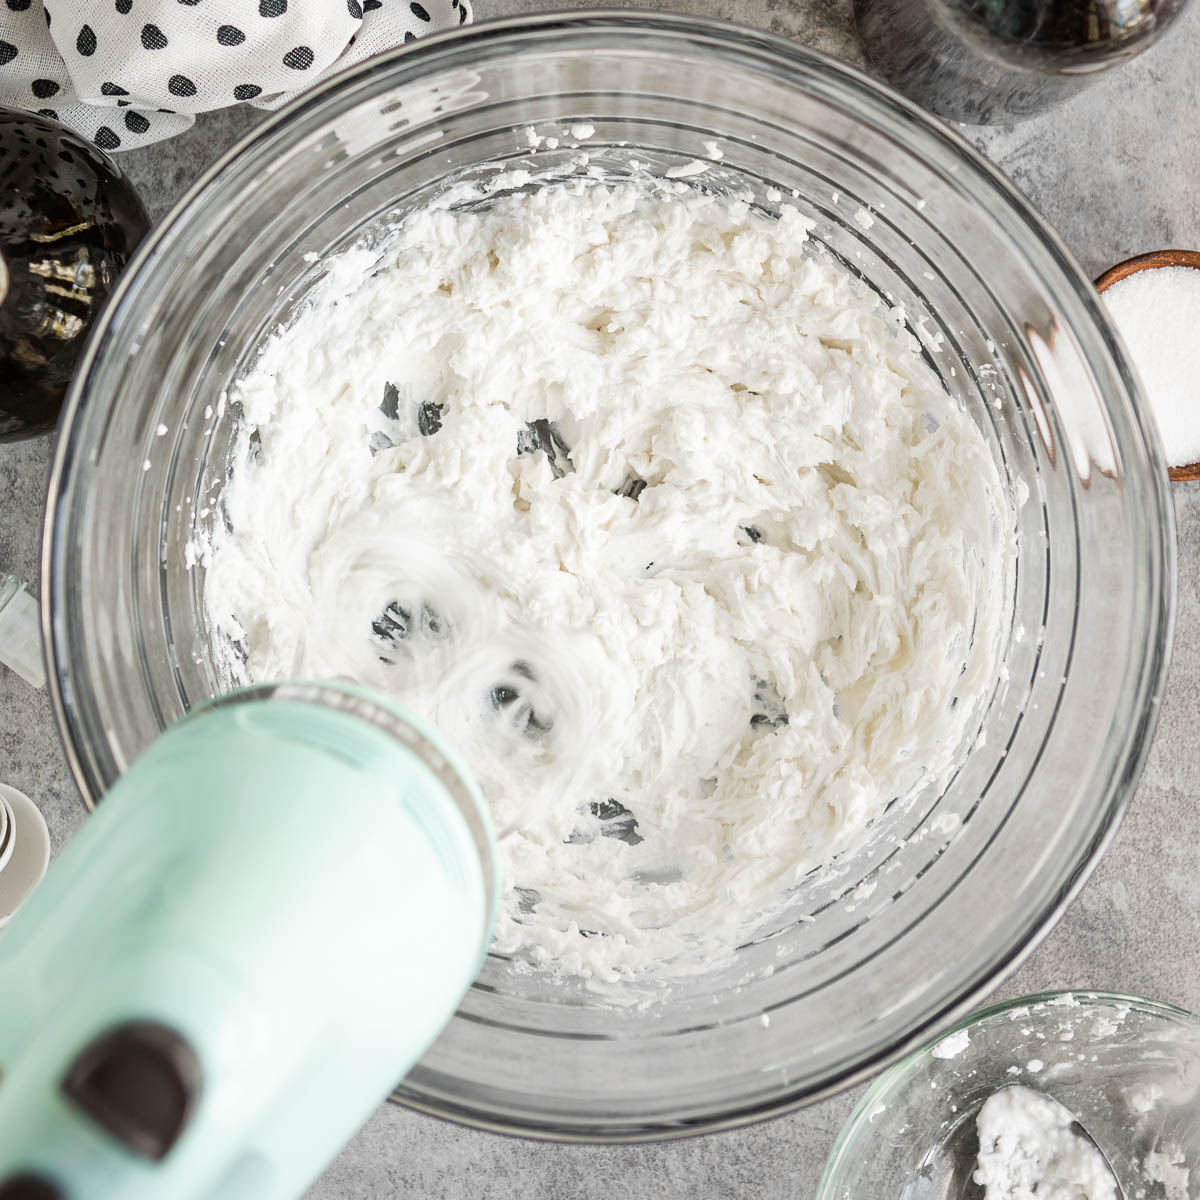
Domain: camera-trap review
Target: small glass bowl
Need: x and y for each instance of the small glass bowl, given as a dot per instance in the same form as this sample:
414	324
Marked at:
1128	1068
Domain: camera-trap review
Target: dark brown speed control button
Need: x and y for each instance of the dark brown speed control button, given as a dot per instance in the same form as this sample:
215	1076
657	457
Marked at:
139	1082
28	1187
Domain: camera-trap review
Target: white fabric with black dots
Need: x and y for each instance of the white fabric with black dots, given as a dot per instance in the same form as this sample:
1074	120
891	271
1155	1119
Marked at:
127	72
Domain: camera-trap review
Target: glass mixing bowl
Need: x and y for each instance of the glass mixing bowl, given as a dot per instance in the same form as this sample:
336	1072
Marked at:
868	960
1128	1069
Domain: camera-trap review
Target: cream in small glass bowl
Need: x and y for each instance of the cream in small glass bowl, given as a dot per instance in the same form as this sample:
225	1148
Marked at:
1127	1068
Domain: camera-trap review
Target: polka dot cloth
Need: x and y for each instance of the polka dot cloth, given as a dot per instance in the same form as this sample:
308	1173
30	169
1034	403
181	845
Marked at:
128	72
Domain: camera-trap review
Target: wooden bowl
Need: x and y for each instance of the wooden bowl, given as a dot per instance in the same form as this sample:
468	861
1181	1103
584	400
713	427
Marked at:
1143	262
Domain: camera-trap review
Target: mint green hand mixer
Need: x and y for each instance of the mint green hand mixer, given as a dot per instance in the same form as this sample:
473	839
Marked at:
262	928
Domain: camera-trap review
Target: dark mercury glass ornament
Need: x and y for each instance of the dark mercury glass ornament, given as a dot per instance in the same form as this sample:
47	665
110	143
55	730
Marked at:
69	221
988	62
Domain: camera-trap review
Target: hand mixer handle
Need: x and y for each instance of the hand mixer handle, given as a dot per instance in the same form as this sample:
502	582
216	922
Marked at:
265	924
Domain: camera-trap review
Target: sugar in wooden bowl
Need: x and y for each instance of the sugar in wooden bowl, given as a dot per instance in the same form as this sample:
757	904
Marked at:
1154	301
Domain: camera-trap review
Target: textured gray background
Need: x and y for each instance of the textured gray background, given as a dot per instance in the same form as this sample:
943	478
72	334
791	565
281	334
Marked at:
1117	172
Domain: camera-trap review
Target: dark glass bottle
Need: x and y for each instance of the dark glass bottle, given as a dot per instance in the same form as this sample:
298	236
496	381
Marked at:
988	62
69	220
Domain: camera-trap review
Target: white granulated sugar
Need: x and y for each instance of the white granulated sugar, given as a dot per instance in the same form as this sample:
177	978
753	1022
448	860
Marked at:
657	515
1028	1150
1157	313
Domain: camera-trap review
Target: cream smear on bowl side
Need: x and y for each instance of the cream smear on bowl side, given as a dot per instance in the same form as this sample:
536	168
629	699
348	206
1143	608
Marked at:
657	514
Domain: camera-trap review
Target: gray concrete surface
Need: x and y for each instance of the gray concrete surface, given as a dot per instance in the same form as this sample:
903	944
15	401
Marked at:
1117	172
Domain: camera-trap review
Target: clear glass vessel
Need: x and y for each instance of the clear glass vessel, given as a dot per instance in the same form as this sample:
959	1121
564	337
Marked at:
835	987
1128	1068
988	62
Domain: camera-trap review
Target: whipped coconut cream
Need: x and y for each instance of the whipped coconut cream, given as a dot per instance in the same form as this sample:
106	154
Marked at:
657	514
1029	1149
